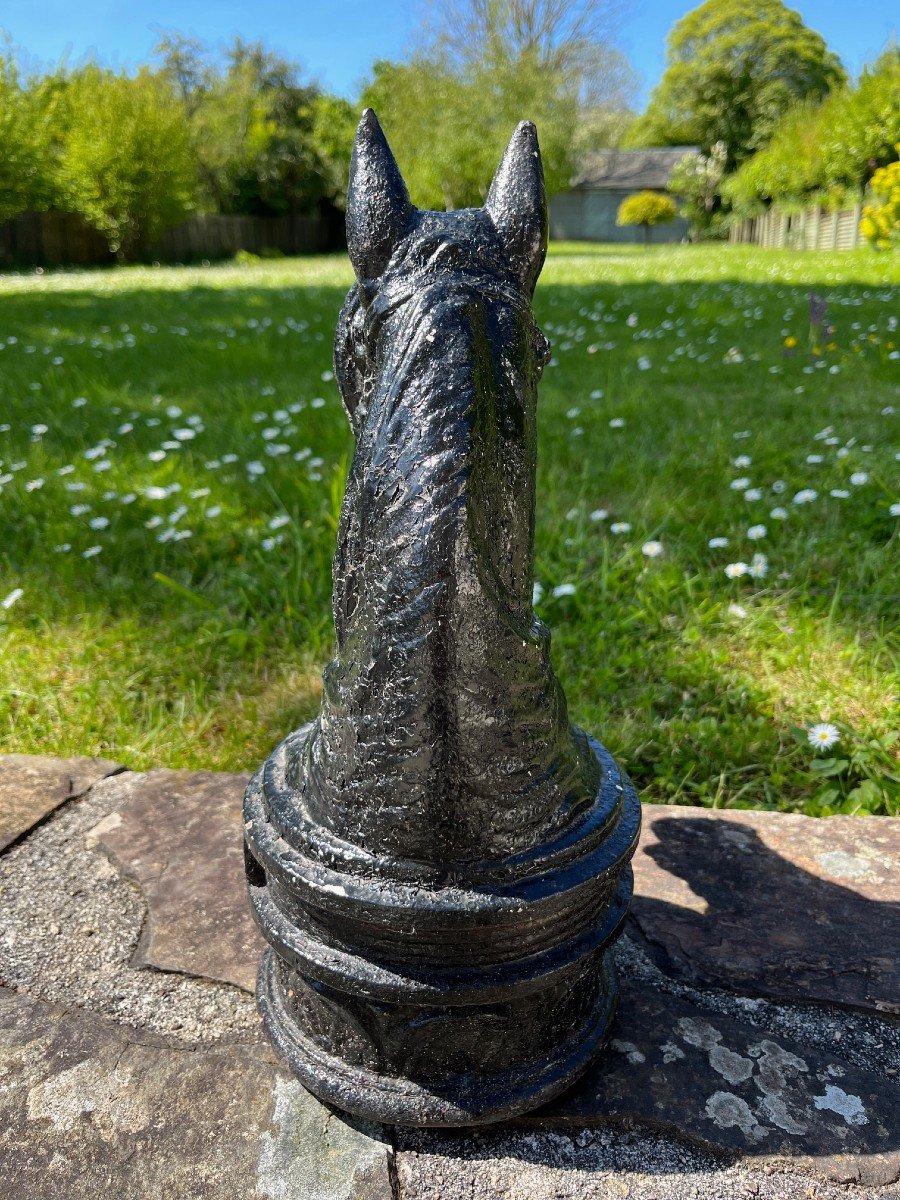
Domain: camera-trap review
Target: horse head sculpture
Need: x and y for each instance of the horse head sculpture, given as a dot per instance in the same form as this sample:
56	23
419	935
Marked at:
439	860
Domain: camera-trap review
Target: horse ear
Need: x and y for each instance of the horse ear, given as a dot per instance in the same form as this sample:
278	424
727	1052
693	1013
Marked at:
379	211
517	204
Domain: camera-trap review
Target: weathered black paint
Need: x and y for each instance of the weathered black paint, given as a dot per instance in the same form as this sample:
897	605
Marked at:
440	860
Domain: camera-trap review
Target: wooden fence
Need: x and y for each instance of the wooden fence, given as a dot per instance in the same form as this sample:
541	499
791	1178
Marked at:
812	229
64	239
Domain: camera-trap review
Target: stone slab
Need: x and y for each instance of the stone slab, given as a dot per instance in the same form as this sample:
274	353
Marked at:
91	1109
774	904
32	786
733	1089
178	835
770	904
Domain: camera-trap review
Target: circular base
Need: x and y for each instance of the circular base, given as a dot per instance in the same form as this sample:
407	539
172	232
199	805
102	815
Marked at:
462	1099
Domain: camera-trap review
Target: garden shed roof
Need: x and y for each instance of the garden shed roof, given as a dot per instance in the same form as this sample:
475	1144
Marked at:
628	170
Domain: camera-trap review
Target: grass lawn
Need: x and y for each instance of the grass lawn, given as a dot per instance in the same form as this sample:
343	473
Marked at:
172	454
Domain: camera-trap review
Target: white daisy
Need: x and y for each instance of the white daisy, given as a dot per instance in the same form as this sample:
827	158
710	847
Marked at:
759	566
756	532
736	569
823	736
652	549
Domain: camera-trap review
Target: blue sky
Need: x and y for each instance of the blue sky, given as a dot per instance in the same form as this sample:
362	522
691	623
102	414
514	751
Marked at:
337	41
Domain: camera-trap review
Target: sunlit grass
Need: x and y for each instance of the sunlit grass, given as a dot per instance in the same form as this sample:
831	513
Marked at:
203	650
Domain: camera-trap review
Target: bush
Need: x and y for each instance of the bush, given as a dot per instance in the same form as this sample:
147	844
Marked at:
27	175
696	179
826	152
880	224
647	209
126	161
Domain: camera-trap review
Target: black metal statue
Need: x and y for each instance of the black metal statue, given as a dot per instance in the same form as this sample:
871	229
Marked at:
439	861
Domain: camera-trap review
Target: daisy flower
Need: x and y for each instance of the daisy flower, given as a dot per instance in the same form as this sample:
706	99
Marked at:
759	566
736	569
652	549
756	532
823	736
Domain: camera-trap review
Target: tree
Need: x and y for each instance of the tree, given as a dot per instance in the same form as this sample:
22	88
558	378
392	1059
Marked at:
695	179
734	68
484	66
28	130
646	209
332	123
826	152
264	141
125	162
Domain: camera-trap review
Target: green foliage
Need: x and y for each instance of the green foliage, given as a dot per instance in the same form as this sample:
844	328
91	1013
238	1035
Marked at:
695	180
332	124
264	141
734	68
449	110
465	120
826	152
880	223
859	776
125	162
27	110
647	209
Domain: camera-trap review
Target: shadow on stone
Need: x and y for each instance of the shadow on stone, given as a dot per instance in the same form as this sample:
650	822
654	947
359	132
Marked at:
751	903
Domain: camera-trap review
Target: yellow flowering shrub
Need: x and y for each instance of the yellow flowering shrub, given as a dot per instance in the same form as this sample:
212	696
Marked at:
880	223
646	209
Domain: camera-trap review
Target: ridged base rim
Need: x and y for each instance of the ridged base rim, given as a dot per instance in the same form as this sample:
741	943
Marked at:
406	984
462	1101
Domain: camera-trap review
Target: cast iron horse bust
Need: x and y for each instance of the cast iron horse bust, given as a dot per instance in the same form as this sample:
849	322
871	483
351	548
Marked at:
439	861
